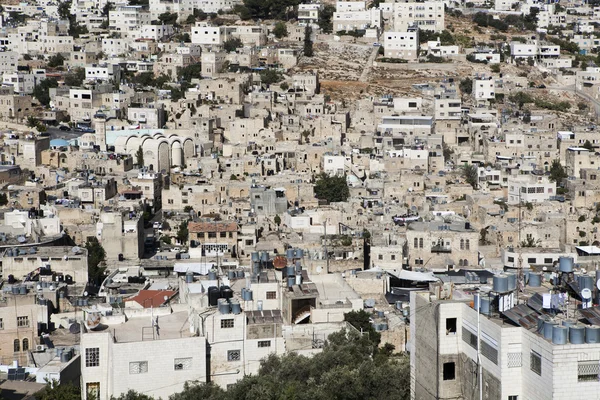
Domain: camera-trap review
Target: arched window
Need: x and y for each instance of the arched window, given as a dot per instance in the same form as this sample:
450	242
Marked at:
462	244
25	344
460	263
17	346
421	242
468	244
465	262
416	243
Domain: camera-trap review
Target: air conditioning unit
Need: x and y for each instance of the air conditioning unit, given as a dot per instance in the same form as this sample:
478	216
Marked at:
40	347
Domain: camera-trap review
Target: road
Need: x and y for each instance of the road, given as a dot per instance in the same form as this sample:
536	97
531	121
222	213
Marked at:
365	73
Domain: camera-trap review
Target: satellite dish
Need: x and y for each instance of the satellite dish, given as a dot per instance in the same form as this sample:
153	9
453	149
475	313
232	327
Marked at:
320	269
21	239
586	294
76	250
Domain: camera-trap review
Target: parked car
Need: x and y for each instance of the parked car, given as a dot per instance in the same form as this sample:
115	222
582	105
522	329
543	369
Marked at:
64	128
157	225
175	249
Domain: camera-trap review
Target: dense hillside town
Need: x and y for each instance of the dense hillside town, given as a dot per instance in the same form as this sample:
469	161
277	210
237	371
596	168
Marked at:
245	199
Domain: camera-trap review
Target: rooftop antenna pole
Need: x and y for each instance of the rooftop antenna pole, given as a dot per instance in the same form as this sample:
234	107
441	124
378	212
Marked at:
479	346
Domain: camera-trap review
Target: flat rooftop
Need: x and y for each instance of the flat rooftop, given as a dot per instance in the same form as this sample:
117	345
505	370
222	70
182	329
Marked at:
172	326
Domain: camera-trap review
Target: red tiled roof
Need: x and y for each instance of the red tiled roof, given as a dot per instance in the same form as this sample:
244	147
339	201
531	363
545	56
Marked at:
218	226
152	298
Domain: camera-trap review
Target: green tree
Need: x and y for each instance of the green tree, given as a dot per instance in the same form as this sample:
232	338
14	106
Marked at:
332	188
96	258
325	18
64	10
588	145
32	121
183	232
280	30
55	391
139	157
557	172
232	44
192	71
3	199
168	18
132	395
361	321
194	390
42	90
466	86
75	77
277	220
56	60
471	175
350	367
270	76
308	44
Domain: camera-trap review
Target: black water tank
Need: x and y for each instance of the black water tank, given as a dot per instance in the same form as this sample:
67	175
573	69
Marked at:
121	258
11	279
226	292
213	295
68	279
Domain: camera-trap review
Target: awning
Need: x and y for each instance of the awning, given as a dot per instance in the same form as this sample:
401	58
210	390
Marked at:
196	268
413	275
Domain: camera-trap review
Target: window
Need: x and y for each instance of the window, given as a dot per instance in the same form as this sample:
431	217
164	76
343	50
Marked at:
264	343
489	352
548	261
450	326
380	257
25	344
467	244
271	295
469	337
393	257
462	244
513	397
182	363
1	323
587	371
531	260
449	371
421	243
223	234
92	357
233	355
511	259
16	346
227	323
416	244
22	322
138	367
212	235
92	390
536	363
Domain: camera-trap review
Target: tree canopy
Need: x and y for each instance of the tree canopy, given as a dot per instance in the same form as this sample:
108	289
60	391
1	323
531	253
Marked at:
557	172
332	188
96	258
41	91
471	175
350	367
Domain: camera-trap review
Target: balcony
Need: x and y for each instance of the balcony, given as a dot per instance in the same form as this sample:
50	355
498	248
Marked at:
441	249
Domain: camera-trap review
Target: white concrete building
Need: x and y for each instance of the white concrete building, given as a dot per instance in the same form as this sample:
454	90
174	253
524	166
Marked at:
154	351
357	20
530	189
428	15
308	13
403	45
503	349
484	88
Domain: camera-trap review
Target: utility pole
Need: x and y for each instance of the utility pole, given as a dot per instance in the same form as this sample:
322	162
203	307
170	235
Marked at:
325	244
